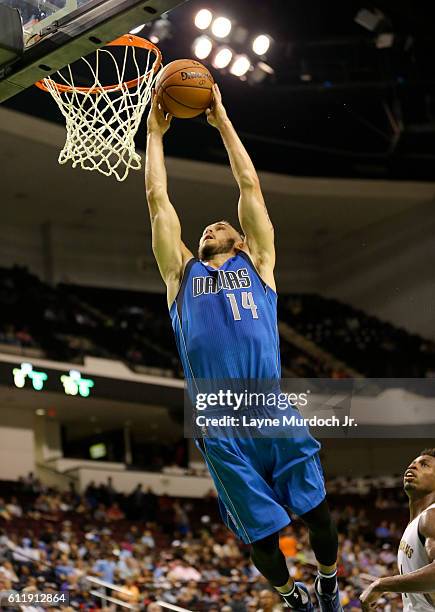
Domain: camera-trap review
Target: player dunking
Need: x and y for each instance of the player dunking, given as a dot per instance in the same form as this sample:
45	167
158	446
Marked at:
416	556
223	310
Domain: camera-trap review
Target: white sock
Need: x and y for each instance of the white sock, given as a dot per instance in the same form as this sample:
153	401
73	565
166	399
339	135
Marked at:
302	594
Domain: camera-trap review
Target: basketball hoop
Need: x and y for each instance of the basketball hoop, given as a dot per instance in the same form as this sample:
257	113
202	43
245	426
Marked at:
102	120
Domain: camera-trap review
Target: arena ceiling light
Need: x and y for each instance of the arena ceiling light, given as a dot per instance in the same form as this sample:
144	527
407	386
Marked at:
385	40
260	72
222	58
261	44
138	29
161	30
239	35
369	19
221	27
240	66
202	47
203	19
305	73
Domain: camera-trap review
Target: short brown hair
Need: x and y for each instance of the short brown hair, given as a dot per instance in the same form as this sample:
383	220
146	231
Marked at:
428	451
239	231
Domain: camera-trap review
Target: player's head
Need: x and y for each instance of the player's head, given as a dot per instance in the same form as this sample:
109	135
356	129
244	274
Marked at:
419	477
219	238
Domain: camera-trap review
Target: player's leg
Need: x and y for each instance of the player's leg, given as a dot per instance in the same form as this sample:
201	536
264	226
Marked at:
324	542
270	561
301	487
250	508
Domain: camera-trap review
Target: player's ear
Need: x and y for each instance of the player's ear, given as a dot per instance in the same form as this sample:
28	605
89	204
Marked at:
239	245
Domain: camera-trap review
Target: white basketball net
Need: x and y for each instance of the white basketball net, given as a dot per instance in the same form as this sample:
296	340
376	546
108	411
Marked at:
101	126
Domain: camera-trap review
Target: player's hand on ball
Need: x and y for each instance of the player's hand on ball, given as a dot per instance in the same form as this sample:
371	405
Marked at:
157	120
216	115
370	596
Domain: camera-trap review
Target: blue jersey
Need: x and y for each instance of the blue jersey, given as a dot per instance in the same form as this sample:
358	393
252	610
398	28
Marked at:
225	322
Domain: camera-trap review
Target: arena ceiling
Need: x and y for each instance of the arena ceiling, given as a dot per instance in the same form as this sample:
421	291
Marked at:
343	101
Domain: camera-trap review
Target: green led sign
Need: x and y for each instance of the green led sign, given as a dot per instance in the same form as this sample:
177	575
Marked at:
73	383
98	451
26	371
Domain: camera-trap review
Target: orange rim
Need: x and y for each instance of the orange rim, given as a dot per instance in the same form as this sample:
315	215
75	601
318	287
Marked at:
127	40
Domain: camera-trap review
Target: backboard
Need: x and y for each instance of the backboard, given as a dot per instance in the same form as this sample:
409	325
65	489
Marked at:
58	32
38	15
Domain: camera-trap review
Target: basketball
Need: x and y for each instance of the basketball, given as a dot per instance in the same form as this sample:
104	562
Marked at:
184	88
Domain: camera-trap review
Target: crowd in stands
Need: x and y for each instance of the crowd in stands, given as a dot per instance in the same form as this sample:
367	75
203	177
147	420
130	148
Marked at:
177	550
371	346
68	322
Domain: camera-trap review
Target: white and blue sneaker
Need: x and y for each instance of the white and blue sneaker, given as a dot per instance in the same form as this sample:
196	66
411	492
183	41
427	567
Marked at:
328	603
305	605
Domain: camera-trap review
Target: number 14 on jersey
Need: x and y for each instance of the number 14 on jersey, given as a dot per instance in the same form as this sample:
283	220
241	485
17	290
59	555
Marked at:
247	303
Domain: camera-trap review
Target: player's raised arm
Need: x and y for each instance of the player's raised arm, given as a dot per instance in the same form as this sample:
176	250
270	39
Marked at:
170	252
253	216
419	581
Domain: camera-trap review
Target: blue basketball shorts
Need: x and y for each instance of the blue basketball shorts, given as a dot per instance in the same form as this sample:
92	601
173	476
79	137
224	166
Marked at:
259	479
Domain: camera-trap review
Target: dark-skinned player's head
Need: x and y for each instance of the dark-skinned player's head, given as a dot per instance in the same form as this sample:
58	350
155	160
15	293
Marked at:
419	477
219	238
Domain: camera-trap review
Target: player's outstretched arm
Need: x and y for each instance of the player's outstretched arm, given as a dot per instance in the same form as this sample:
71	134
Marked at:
420	581
170	252
253	216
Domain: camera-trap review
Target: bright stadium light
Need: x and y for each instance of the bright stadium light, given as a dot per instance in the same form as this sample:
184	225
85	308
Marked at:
161	30
221	27
240	65
223	57
260	72
138	29
203	19
261	44
202	47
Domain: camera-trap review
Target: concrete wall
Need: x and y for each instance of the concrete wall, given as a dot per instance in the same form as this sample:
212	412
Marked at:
17	445
387	270
384	268
104	258
99	258
370	457
161	484
21	245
